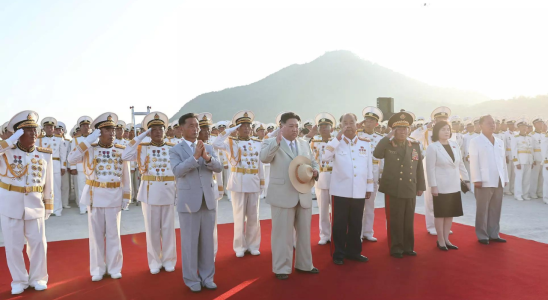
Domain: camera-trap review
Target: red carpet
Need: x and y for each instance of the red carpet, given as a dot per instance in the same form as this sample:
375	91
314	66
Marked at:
516	270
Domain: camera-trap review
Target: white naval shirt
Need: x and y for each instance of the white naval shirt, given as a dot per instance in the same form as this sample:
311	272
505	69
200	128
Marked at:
522	149
352	173
326	165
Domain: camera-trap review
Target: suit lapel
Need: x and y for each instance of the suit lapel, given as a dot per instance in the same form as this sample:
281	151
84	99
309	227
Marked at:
285	148
187	148
445	154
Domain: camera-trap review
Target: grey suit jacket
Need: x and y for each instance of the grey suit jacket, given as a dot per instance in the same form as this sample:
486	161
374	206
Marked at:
281	192
194	178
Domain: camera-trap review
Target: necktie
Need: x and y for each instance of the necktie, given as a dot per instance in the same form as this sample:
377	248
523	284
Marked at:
293	148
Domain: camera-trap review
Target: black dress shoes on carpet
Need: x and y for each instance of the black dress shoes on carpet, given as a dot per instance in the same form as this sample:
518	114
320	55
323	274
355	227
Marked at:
498	240
443	248
338	261
313	271
485	242
396	255
452	247
410	253
282	276
360	258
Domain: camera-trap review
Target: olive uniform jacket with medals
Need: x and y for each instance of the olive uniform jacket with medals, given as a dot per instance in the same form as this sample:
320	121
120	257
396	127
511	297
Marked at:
403	173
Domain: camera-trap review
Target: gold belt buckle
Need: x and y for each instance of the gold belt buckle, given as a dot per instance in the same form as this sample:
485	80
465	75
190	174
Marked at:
158	178
102	184
28	189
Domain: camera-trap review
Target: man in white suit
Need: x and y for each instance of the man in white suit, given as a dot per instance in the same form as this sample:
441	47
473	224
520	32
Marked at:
291	209
489	175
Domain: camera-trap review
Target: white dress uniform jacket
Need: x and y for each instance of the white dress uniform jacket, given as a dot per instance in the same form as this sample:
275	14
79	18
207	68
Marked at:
352	173
485	158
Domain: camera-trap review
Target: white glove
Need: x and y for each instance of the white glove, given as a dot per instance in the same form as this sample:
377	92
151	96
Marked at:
47	216
125	203
142	136
231	130
93	136
14	137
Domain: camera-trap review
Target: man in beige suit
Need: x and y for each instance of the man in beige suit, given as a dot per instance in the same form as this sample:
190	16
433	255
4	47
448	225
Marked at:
290	208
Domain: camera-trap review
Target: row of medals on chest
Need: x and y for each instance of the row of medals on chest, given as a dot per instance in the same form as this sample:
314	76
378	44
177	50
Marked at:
106	161
37	167
159	161
249	157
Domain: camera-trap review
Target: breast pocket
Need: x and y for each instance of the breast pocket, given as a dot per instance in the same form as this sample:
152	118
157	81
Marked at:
341	152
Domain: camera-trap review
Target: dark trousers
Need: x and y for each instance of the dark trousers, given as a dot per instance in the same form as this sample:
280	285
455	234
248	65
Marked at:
347	226
400	215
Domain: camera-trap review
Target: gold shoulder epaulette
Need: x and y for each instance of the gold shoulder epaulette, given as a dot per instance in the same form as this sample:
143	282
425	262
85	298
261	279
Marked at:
316	141
231	137
170	144
256	140
412	138
44	150
58	135
67	140
78	135
119	146
144	144
517	135
364	139
94	145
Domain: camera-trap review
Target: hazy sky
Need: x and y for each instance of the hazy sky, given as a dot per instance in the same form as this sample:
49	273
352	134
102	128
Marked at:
67	58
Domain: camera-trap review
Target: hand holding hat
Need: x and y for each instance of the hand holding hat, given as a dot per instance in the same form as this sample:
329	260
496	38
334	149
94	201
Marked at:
301	174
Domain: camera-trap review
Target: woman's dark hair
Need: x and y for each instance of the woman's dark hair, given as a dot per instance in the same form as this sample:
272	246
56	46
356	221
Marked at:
436	131
183	118
289	115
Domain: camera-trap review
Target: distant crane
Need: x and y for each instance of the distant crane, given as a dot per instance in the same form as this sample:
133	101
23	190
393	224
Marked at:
134	113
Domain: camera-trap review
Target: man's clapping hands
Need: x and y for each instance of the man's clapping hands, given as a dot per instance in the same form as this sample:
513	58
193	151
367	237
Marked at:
201	152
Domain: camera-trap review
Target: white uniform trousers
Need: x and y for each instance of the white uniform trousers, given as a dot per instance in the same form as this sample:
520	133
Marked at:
104	224
522	181
545	184
81	178
160	233
324	201
57	194
266	180
247	228
429	204
135	183
65	189
16	232
369	213
535	188
509	188
73	187
226	176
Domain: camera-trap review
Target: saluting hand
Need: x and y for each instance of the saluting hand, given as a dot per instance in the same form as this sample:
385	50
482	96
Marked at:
279	136
313	132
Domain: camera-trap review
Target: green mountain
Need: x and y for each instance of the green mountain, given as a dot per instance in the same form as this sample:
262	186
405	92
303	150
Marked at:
336	82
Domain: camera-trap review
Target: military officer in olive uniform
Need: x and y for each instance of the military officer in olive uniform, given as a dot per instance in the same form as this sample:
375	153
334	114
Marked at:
401	183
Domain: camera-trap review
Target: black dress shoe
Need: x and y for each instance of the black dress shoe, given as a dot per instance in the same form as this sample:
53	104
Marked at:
282	276
453	247
444	248
338	261
313	271
410	253
360	258
396	255
498	240
485	242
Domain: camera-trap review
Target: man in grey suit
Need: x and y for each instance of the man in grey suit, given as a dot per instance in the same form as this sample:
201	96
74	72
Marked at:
290	209
193	164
